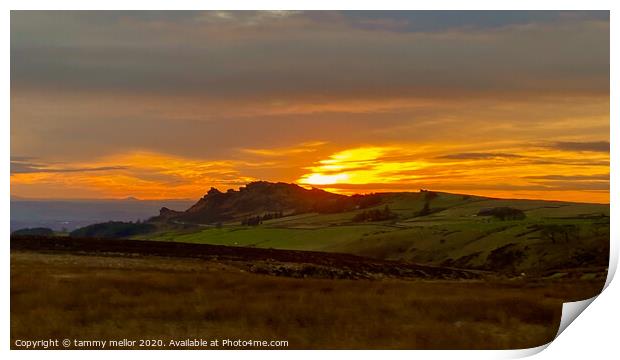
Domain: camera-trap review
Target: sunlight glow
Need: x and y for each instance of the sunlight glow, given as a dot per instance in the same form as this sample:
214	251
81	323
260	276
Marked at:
322	179
536	173
491	169
365	165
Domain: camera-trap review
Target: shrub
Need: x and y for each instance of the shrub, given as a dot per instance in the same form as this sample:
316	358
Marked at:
38	231
503	213
375	215
113	229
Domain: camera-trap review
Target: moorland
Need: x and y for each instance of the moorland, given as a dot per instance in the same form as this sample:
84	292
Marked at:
274	261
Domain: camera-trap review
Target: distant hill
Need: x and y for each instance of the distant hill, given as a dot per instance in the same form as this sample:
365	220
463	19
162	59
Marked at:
113	229
40	231
258	198
72	214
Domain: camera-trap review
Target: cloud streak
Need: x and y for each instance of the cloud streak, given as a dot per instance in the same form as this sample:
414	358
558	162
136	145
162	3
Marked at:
596	146
479	156
20	167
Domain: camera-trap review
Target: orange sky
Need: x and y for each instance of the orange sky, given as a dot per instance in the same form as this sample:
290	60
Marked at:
539	173
111	105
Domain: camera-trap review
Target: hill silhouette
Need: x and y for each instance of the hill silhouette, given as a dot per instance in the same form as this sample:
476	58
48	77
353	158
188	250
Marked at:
258	198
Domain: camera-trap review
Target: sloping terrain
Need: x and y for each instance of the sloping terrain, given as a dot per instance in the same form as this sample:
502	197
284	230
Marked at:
265	261
508	236
433	228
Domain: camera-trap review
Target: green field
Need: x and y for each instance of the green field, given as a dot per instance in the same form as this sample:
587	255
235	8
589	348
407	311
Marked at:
451	235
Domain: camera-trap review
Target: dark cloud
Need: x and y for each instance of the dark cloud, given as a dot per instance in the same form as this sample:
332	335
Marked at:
595	146
217	54
22	158
570	162
430	21
534	160
555	186
597	177
22	167
479	156
577	185
596	182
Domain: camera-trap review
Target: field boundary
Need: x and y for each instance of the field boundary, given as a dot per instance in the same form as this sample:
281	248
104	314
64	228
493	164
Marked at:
356	266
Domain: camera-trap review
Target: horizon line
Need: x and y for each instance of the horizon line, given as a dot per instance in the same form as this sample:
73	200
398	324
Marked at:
132	198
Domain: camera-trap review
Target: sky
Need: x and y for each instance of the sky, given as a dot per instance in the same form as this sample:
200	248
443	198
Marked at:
163	105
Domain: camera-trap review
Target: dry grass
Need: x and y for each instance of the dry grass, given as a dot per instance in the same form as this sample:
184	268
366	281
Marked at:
99	297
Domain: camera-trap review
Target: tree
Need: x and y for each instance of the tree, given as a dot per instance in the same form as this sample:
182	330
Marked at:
555	232
428	196
503	213
374	215
251	221
426	209
386	211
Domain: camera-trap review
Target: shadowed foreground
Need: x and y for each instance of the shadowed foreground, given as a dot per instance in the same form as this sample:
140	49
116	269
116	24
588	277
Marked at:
98	297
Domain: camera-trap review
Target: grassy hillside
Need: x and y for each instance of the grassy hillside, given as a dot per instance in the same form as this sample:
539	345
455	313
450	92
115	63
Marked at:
442	229
111	296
